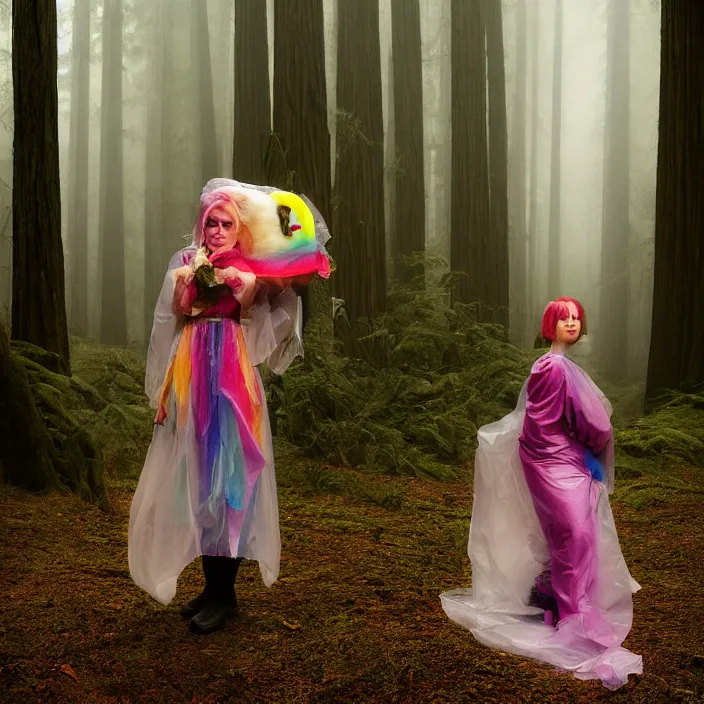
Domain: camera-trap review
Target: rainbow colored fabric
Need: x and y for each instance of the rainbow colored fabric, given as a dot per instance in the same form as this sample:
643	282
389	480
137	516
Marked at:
212	383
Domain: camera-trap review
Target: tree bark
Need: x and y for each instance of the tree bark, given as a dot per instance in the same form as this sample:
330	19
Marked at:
38	299
252	102
359	243
519	264
555	160
155	249
203	80
113	319
614	298
470	253
677	338
78	169
535	292
300	150
300	101
25	447
408	234
498	158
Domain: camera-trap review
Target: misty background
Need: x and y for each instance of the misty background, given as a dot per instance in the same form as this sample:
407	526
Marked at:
146	116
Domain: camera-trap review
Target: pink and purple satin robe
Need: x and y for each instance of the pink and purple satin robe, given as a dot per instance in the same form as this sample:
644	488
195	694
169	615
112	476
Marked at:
564	419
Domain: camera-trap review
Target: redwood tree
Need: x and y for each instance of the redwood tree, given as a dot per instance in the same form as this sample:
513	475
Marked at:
38	302
113	319
156	254
519	268
299	157
252	103
555	159
77	234
300	101
498	157
677	338
613	311
536	303
203	93
359	243
408	233
470	211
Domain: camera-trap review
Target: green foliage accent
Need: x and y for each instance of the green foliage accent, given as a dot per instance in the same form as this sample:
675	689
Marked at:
428	376
120	418
75	455
676	429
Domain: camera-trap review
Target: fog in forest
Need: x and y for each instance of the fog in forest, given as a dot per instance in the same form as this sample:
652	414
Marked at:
147	115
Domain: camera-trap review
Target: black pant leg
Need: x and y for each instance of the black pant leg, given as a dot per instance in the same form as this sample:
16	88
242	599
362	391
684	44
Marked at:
220	574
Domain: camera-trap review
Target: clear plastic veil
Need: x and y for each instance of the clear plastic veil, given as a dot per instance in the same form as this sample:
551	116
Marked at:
164	531
508	550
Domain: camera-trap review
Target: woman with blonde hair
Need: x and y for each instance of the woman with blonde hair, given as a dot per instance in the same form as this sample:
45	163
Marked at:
208	485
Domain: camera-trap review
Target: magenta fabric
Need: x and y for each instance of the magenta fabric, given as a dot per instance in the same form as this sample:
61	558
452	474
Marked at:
564	417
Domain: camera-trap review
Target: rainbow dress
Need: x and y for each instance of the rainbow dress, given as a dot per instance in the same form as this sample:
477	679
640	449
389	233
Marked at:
208	484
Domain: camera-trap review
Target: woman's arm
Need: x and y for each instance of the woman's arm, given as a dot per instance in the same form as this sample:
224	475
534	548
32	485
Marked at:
586	417
185	291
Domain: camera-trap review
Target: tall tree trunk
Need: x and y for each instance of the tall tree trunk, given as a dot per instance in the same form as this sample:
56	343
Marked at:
470	209
179	133
78	169
408	234
555	160
519	265
113	320
677	338
359	242
38	302
300	157
498	157
252	102
614	298
534	291
155	251
203	80
300	101
25	446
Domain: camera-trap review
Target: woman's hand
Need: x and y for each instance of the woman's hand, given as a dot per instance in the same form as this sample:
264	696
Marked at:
242	283
184	294
225	274
184	274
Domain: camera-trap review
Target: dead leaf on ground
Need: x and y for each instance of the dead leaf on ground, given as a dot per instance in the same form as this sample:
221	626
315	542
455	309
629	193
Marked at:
291	626
68	670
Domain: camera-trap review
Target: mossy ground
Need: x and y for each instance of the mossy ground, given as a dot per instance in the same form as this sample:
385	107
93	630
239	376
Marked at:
370	538
354	617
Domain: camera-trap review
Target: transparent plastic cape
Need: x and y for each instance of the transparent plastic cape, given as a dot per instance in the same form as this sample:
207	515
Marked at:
508	550
272	331
164	532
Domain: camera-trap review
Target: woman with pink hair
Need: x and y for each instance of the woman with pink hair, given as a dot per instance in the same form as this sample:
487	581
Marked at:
208	486
548	577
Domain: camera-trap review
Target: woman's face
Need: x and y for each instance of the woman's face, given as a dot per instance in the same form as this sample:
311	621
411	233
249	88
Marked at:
568	329
220	233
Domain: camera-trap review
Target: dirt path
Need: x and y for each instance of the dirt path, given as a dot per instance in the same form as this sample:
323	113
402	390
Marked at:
355	616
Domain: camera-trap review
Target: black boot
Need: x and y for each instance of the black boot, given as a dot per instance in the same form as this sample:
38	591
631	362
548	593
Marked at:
209	591
218	602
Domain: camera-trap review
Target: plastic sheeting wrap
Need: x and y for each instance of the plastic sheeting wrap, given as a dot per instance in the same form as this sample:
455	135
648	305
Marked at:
508	551
208	485
167	523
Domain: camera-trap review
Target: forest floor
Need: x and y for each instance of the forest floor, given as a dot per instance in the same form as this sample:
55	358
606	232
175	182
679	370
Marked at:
354	617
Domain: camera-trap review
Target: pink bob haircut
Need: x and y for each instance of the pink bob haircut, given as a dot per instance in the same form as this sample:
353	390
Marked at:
559	310
223	200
